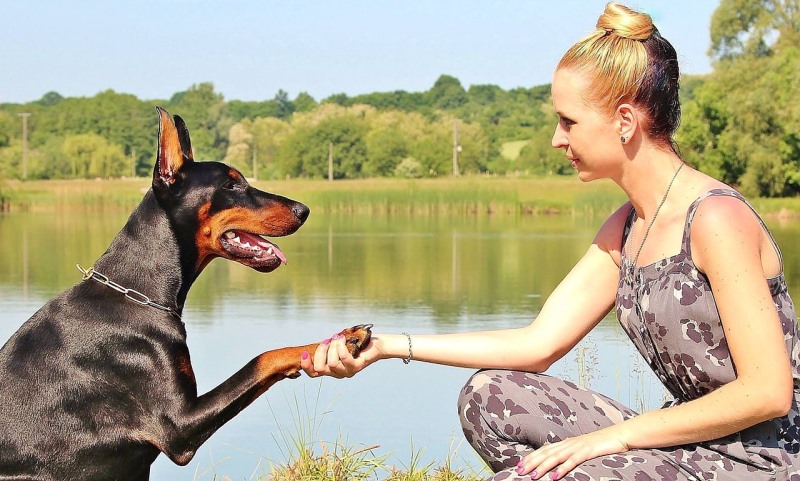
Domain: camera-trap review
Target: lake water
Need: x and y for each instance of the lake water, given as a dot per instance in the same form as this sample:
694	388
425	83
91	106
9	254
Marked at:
402	273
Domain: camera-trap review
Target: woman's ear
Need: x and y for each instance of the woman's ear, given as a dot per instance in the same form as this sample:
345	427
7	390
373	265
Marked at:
626	121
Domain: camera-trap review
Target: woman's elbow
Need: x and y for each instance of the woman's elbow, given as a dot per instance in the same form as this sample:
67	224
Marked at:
783	404
544	359
777	401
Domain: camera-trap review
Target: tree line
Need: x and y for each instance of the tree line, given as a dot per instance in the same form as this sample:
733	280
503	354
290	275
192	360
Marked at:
741	122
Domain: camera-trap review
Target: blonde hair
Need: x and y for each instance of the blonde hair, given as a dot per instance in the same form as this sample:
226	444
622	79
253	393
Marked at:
628	61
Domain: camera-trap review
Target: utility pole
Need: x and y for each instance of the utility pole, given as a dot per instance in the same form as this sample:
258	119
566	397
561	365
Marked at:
456	149
24	116
330	161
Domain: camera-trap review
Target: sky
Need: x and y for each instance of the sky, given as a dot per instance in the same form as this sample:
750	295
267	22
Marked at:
250	49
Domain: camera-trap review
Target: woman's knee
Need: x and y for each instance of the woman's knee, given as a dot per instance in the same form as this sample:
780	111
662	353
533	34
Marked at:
496	395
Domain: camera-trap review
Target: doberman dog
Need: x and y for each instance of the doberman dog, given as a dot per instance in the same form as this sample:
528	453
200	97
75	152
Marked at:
99	381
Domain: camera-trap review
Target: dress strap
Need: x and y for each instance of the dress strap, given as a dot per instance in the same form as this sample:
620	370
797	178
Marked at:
686	242
626	232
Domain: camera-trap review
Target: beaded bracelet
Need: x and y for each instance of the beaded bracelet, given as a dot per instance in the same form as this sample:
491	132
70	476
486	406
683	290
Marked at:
410	352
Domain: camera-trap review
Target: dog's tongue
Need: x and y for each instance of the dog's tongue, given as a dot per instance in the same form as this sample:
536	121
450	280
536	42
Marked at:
263	243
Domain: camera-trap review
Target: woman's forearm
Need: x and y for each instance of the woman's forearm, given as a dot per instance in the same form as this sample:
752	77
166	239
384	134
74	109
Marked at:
729	409
501	349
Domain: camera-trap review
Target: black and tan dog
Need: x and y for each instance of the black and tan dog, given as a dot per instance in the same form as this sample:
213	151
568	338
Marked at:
99	382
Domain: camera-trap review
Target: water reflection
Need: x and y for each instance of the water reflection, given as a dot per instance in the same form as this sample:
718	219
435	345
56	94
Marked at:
420	274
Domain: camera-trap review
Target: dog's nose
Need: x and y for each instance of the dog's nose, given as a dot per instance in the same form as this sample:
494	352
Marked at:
300	211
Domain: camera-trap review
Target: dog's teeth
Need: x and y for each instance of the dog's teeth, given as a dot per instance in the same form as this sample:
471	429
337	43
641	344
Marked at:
269	251
229	235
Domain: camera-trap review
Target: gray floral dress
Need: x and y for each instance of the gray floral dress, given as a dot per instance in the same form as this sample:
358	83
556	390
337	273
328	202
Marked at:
668	311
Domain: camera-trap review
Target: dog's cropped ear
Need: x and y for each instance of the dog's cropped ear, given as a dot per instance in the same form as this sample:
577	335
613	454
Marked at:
183	137
174	148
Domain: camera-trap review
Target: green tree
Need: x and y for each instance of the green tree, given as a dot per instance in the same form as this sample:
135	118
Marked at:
304	102
50	98
754	27
90	155
9	125
256	140
739	121
447	93
386	148
122	119
206	116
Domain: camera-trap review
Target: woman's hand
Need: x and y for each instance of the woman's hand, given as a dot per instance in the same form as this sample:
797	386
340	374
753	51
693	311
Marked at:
333	359
562	457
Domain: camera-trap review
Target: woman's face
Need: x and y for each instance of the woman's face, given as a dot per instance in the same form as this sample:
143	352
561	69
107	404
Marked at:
589	137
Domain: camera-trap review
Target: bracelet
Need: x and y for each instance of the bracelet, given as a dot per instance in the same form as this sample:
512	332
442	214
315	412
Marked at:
410	352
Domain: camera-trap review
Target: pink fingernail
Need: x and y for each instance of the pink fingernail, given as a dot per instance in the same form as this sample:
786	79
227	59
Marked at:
326	342
534	474
304	355
554	475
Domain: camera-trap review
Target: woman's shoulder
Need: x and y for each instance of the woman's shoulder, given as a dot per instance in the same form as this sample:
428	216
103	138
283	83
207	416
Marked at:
609	236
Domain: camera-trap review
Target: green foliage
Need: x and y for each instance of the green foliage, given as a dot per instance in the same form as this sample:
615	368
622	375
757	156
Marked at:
740	123
447	93
753	27
90	155
206	116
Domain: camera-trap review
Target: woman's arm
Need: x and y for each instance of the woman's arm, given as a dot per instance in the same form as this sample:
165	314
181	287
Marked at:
577	304
729	254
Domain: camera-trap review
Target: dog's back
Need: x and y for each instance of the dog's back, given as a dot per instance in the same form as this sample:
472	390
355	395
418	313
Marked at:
77	388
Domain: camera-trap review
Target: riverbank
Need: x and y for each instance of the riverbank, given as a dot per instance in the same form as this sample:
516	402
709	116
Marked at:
471	195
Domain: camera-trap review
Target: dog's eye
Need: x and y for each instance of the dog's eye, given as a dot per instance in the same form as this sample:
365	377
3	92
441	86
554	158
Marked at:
229	185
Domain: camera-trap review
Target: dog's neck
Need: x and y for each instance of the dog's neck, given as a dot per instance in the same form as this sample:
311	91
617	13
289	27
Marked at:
145	256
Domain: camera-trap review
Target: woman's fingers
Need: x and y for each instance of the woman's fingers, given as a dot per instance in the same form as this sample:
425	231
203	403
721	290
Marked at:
331	358
557	459
553	460
315	364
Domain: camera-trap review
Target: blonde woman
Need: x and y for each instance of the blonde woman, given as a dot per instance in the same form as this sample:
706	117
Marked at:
696	281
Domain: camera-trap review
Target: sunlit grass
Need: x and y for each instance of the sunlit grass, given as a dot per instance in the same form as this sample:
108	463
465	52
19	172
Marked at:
467	195
470	195
307	457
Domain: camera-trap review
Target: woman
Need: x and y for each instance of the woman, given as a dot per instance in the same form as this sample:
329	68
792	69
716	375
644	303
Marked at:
695	278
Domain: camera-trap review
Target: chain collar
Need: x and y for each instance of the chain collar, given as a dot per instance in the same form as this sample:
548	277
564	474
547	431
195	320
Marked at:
130	294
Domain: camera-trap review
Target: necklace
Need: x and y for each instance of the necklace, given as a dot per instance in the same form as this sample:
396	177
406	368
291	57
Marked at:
632	265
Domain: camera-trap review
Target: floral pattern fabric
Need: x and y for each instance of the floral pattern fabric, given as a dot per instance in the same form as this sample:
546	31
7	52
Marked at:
668	311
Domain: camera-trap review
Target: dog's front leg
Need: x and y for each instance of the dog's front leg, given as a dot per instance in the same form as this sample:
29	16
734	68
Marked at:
191	426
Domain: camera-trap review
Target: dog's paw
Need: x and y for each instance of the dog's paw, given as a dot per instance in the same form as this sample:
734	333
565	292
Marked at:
357	338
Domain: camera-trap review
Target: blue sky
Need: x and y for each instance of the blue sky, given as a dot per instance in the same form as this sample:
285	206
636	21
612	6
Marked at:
249	49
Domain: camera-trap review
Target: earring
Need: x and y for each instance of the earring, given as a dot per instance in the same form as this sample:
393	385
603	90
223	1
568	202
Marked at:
623	139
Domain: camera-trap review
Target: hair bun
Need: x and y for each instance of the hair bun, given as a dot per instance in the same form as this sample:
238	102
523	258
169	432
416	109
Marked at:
626	23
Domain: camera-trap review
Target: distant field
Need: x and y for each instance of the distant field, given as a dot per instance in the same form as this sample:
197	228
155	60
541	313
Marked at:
463	195
510	150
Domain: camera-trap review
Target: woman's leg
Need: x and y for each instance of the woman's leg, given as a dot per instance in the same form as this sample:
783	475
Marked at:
507	414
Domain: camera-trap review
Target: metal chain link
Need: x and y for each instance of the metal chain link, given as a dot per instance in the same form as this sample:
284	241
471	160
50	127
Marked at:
130	294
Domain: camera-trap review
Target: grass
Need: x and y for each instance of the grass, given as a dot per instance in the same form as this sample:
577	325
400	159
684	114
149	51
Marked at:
310	459
463	195
467	195
510	150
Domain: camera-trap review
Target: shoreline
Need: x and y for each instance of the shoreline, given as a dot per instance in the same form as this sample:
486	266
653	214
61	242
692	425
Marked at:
467	195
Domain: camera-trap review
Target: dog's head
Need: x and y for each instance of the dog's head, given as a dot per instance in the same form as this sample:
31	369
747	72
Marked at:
214	207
